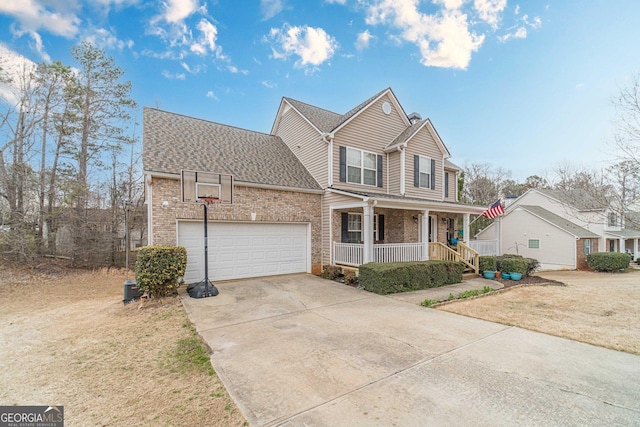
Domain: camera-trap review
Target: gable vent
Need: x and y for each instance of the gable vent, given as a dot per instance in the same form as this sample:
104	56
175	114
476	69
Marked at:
414	117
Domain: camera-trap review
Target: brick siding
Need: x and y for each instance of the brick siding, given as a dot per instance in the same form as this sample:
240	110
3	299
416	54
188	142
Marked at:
268	205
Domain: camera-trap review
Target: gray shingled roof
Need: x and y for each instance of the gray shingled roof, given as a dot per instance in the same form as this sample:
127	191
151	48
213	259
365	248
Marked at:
325	120
173	142
451	165
406	134
560	222
579	199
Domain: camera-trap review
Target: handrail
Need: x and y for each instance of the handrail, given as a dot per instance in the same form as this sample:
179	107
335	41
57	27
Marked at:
464	254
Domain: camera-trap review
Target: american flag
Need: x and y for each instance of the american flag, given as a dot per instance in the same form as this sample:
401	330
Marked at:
495	210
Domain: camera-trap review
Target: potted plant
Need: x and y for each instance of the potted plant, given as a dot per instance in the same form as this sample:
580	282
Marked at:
487	265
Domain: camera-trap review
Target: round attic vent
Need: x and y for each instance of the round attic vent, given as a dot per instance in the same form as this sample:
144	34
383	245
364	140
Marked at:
386	107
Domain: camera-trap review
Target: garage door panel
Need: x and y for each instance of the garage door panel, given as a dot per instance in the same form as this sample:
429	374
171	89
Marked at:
239	250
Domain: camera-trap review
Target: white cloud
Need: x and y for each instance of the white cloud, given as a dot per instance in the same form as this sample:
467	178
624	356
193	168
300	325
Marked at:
105	39
33	15
342	2
268	84
312	45
490	11
362	42
270	8
443	38
450	4
14	66
212	95
236	70
519	31
207	40
171	76
178	10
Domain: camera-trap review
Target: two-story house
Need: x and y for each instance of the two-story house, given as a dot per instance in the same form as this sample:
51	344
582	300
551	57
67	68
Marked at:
373	184
560	228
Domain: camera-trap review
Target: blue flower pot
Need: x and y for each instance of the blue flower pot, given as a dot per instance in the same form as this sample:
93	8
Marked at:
489	274
506	276
515	276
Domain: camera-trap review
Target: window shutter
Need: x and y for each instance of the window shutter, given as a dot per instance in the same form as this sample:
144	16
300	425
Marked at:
345	226
380	227
343	164
446	184
416	171
379	170
433	174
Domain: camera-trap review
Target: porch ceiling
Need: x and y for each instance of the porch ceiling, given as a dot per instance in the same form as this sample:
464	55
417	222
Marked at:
410	203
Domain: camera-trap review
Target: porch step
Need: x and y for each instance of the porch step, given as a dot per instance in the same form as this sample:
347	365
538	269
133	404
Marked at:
469	275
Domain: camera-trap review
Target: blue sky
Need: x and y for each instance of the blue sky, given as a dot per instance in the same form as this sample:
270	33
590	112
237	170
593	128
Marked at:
521	85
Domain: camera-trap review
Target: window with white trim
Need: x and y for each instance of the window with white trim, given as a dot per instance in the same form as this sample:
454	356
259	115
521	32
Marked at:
362	167
613	219
425	172
534	244
354	228
588	246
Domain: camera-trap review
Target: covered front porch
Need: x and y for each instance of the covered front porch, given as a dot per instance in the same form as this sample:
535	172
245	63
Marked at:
626	240
390	230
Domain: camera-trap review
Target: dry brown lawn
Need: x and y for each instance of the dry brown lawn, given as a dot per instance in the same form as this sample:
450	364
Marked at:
67	339
596	308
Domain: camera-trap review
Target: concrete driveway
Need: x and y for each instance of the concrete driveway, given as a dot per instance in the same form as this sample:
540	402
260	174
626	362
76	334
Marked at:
303	351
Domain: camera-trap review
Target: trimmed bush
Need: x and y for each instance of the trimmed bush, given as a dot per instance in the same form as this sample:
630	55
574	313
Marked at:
487	263
513	265
389	278
530	263
159	269
608	261
331	272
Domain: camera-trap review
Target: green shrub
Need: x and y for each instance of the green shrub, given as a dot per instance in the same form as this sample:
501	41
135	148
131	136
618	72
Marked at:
388	278
159	269
530	263
487	263
608	261
331	272
513	265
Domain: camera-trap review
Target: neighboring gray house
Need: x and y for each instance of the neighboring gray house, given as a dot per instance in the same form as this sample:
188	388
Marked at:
560	228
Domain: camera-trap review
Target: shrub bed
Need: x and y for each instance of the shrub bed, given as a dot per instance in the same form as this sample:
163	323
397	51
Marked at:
608	261
531	264
159	269
389	278
487	263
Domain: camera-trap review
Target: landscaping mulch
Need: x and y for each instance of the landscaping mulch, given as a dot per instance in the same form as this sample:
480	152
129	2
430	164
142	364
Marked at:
528	280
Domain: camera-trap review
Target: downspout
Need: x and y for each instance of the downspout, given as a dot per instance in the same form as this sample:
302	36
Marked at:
327	137
149	202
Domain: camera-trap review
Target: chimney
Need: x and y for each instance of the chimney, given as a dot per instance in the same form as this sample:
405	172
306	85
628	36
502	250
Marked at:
414	118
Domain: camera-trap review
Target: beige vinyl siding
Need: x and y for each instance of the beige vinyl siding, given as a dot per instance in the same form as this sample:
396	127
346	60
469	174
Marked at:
452	185
423	144
393	173
370	131
328	200
306	143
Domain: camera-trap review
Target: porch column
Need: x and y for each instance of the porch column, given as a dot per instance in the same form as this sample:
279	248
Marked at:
465	228
424	237
367	233
621	245
635	249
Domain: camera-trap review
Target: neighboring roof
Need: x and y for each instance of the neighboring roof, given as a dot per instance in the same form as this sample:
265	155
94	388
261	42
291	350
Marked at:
579	199
625	233
173	142
406	134
560	222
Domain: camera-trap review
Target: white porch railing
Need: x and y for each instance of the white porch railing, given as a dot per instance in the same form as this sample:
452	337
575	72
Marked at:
351	253
398	252
347	253
484	247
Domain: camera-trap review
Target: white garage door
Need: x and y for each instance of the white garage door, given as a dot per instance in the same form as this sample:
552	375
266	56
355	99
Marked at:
239	250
